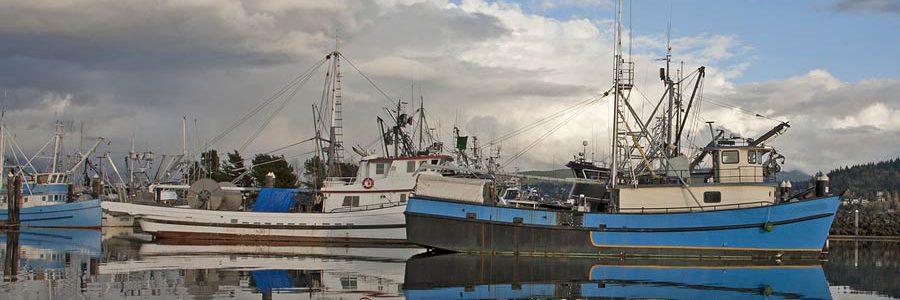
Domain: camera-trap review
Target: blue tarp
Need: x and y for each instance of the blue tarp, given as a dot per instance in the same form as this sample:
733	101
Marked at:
275	200
267	280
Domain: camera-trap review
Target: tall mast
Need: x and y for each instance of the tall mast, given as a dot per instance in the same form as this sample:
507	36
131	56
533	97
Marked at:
336	134
57	137
671	107
2	157
617	57
421	120
184	135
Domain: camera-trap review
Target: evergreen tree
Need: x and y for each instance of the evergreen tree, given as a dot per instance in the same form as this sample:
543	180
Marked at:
315	171
285	176
234	167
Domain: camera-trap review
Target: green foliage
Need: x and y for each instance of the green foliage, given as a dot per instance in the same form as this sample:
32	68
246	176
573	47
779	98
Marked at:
233	167
315	171
209	166
866	180
285	176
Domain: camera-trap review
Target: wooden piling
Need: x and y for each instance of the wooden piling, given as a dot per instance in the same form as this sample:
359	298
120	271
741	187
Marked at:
13	201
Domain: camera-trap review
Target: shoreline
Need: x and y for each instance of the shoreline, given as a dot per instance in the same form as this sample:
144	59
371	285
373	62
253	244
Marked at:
863	238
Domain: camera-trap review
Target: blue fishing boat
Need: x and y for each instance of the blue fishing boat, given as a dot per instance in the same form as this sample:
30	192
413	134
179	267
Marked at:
48	199
658	194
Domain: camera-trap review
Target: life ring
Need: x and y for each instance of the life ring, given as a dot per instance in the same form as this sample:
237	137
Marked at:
368	183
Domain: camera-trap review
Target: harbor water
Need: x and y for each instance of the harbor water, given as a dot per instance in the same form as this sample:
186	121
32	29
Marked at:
119	264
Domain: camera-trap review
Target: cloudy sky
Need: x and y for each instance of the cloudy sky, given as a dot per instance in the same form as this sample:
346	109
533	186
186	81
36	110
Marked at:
134	68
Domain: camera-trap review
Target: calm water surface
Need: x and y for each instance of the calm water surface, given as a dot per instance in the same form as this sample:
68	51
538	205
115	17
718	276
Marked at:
116	264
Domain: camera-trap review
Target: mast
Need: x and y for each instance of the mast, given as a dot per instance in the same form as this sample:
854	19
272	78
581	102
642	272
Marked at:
57	138
623	74
2	157
184	135
336	128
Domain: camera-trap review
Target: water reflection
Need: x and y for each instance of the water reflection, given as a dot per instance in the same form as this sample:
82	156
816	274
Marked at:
481	277
66	263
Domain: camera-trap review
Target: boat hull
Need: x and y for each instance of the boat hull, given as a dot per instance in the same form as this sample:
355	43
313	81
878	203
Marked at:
790	230
81	214
187	226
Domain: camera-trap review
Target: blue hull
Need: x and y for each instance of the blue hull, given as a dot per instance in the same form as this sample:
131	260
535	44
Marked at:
82	214
799	228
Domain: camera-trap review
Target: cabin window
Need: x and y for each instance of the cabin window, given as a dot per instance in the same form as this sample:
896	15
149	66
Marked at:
410	166
403	198
731	157
351	201
753	157
712	197
379	169
434	161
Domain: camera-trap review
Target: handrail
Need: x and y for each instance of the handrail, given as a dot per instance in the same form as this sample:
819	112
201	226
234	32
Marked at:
662	210
341	180
368	207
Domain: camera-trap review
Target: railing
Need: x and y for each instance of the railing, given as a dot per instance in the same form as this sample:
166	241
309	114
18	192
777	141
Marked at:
742	174
332	181
663	210
368	207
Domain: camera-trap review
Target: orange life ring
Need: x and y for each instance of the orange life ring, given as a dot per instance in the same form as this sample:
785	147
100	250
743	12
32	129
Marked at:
368	183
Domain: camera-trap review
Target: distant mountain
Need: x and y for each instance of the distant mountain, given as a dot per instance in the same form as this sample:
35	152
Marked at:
795	176
558	173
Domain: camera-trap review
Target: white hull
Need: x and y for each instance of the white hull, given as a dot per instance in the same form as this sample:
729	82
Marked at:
385	224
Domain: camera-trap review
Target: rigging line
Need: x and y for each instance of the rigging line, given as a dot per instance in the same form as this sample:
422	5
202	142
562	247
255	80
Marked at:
265	103
290	145
541	121
539	139
386	97
548	118
746	111
273	114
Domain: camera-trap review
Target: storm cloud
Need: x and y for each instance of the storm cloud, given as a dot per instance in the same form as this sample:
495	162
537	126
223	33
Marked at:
135	68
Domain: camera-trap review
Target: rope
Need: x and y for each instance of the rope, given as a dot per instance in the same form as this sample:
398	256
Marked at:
542	137
547	119
746	111
262	105
386	97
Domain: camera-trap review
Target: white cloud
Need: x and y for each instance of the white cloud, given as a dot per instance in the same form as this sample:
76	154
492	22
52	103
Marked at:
136	67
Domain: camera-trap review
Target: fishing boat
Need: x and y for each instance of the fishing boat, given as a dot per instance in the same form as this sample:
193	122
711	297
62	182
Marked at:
660	197
47	199
364	209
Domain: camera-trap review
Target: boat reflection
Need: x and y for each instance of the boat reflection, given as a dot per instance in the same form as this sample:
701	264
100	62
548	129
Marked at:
64	263
481	277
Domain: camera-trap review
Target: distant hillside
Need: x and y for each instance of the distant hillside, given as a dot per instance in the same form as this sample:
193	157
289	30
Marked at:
558	173
868	181
795	176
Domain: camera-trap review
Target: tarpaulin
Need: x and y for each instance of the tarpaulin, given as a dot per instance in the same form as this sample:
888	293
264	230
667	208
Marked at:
275	200
268	280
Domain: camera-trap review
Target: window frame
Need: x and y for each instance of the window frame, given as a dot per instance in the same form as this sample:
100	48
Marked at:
754	154
708	198
729	162
350	201
380	169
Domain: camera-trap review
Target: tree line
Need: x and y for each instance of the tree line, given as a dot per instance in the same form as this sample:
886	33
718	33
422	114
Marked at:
232	168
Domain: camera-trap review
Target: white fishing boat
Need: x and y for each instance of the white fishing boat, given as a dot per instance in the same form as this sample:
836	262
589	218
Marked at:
362	209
